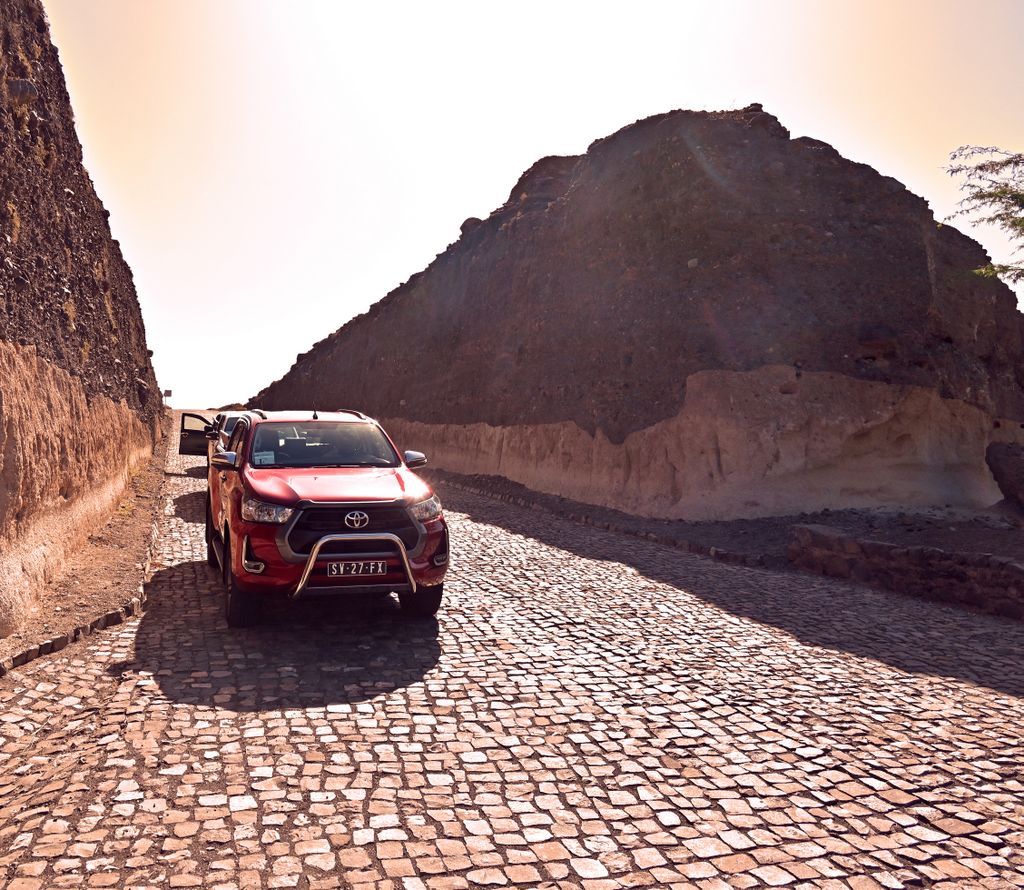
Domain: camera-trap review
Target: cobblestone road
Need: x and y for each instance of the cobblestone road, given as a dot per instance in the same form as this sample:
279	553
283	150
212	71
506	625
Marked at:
589	711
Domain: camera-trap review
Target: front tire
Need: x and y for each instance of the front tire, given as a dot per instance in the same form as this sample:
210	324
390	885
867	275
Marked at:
424	603
240	607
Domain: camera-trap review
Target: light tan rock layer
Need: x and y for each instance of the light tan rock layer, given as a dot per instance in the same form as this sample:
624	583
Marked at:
64	463
756	443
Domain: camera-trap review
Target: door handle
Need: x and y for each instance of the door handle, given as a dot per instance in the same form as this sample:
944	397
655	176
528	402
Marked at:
223	476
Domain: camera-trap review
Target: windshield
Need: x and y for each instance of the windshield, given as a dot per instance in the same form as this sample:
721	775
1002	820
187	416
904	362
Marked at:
321	443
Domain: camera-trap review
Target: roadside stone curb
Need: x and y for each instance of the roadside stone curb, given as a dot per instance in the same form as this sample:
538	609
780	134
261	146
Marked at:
135	606
684	544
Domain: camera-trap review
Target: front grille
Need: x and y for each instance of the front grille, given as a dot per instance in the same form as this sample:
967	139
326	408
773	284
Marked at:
315	522
365	549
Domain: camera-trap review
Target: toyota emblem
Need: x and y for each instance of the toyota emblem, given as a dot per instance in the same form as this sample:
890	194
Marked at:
357	519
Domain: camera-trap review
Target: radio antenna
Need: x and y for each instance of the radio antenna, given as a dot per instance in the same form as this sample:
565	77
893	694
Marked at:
315	415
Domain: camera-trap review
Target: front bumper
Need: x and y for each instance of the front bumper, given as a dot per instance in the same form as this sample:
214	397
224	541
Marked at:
261	567
380	537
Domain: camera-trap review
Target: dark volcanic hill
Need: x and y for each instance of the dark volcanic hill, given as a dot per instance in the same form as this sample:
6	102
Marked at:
78	398
608	287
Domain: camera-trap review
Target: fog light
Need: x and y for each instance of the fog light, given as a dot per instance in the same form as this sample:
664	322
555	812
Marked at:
252	565
440	559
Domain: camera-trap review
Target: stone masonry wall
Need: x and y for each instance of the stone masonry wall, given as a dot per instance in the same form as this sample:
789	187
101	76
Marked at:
991	583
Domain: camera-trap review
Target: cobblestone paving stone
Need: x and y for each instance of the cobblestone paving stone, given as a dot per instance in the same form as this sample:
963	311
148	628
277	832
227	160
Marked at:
588	711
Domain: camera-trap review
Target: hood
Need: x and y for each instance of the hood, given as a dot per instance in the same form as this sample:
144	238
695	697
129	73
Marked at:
284	486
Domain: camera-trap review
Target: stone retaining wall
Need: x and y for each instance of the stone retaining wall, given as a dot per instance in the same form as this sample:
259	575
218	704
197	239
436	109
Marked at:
990	583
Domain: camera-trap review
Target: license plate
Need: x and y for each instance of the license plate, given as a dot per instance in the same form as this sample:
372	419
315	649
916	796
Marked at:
340	569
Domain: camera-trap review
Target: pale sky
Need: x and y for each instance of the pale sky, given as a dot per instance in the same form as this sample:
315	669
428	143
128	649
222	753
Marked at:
272	168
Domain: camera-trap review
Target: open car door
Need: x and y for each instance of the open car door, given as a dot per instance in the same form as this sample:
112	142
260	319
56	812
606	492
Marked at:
194	428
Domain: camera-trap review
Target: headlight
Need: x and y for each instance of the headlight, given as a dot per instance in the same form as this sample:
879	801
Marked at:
259	511
426	510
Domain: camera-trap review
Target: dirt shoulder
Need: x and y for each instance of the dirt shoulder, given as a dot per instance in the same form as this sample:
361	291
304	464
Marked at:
105	574
999	531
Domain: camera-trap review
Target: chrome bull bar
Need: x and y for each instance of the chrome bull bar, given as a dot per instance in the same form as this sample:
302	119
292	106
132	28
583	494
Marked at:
330	539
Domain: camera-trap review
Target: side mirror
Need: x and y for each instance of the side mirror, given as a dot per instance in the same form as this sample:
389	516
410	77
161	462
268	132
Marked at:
415	459
210	434
224	460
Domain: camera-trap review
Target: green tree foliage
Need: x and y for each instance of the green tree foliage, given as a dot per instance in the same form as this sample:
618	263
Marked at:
993	187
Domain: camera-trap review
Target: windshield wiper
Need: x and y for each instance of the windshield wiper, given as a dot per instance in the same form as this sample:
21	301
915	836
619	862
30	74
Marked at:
356	466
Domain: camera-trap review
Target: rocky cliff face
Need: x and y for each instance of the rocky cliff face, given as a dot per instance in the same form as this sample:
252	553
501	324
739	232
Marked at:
699	317
78	398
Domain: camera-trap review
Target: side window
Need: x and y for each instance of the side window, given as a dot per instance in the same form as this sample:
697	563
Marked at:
237	437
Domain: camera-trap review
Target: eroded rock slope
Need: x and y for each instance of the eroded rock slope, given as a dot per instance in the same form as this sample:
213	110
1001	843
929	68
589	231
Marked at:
78	398
700	317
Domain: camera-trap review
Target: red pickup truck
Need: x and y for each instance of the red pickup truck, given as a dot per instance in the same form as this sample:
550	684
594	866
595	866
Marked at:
305	504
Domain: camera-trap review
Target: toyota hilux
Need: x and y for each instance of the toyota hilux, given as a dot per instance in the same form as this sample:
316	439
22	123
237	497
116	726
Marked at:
305	504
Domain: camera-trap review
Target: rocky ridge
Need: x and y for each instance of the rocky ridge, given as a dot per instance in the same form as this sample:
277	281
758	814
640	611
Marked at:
65	289
79	402
701	316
